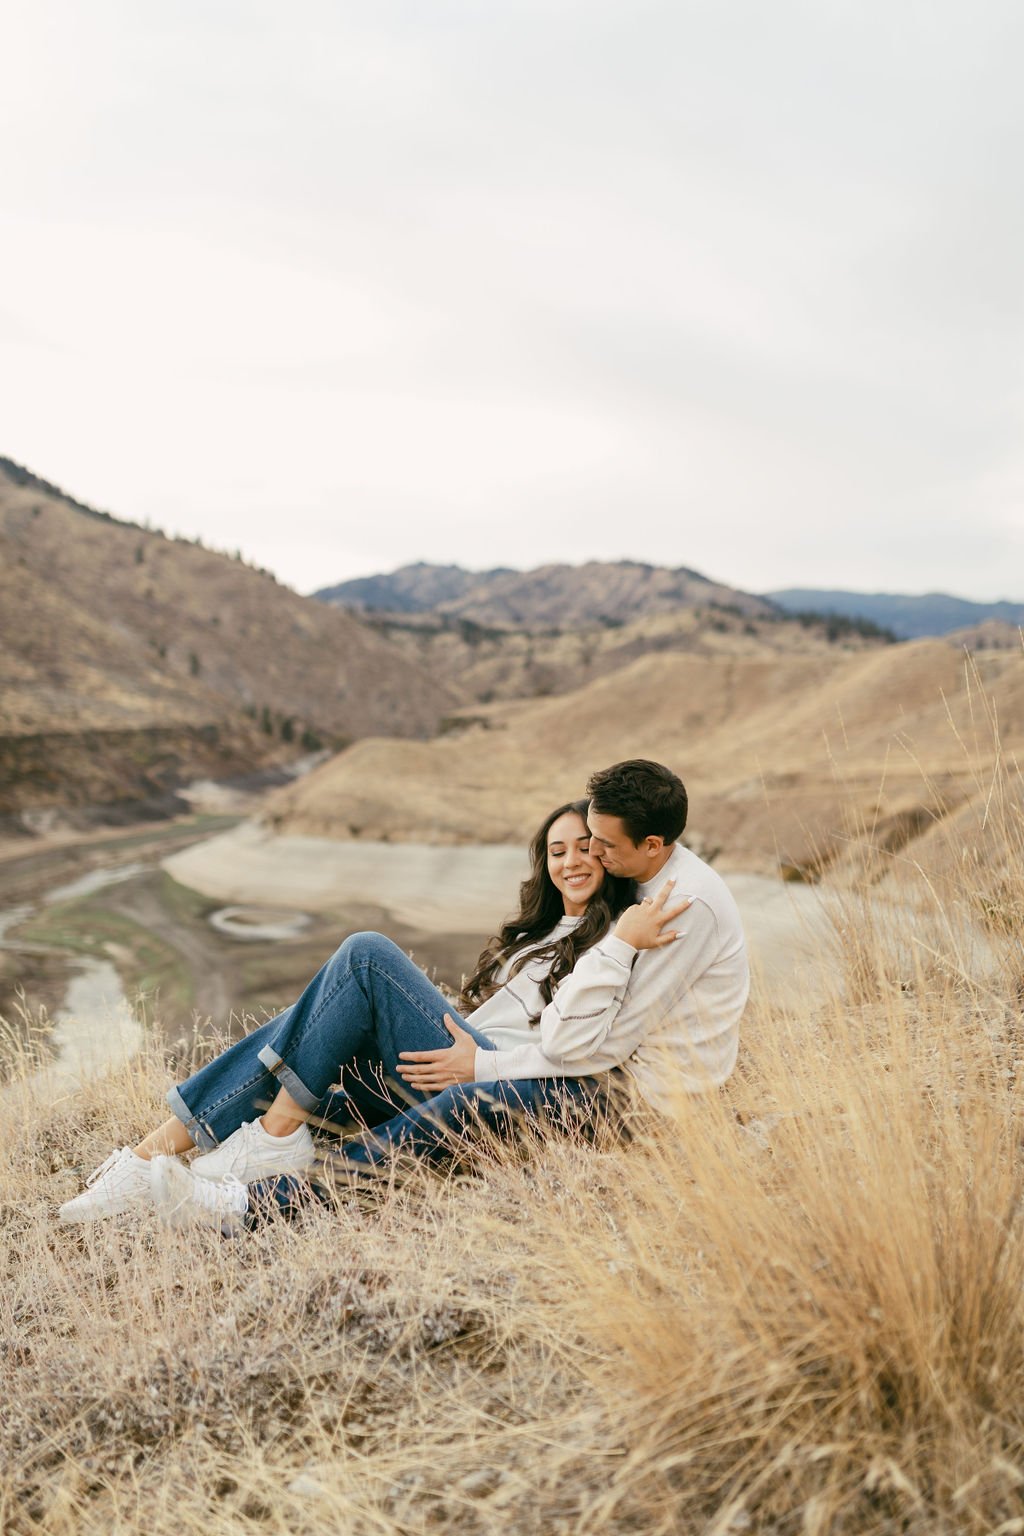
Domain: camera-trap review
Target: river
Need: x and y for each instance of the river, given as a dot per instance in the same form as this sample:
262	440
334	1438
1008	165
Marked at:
94	1028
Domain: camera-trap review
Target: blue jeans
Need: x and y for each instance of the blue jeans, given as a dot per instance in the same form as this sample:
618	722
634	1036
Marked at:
336	1050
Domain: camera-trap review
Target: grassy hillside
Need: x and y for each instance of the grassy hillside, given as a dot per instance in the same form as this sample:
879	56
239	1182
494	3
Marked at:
108	627
501	634
486	663
795	1307
108	624
770	747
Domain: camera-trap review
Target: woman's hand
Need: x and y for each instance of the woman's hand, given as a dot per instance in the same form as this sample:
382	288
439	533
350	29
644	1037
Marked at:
432	1071
642	925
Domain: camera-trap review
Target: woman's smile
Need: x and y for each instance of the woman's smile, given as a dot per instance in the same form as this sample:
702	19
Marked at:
575	873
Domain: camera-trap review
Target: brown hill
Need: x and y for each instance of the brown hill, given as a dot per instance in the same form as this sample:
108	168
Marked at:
550	596
486	663
988	635
524	634
109	627
787	757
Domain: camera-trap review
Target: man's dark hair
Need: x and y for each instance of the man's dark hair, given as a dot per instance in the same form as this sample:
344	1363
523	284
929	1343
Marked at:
649	799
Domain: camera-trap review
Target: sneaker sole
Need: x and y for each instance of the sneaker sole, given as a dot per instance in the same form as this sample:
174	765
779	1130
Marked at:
69	1217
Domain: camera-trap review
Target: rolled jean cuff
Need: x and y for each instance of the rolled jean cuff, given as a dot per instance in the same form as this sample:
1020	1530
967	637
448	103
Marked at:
287	1078
201	1134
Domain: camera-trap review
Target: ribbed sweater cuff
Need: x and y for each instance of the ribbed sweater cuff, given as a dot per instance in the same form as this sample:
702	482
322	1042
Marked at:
618	949
492	1065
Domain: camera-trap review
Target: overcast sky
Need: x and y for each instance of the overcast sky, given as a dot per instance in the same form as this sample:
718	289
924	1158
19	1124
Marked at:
737	286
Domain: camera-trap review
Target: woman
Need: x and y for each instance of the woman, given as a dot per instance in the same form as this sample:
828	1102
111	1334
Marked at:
371	1019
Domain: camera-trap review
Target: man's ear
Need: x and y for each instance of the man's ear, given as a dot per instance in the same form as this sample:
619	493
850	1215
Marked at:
653	844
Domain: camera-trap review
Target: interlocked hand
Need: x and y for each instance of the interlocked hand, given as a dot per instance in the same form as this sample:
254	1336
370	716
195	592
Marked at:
642	925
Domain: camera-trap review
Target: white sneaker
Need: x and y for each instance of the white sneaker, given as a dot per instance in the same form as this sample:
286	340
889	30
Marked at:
120	1183
250	1154
185	1201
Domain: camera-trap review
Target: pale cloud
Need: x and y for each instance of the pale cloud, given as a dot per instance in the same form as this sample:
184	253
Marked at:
728	285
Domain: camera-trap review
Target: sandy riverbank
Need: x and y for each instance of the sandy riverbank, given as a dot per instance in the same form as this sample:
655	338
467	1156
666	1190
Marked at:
460	889
445	890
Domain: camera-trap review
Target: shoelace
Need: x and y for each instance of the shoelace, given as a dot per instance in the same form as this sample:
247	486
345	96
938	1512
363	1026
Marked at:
247	1140
211	1195
98	1173
241	1150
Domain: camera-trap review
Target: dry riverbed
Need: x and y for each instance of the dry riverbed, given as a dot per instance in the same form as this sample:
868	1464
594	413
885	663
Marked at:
438	890
98	928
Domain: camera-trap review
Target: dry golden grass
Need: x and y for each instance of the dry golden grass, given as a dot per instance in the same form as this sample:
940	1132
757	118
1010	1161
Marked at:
795	1306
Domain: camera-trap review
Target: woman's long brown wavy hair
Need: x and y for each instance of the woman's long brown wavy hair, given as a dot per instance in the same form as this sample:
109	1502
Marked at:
540	907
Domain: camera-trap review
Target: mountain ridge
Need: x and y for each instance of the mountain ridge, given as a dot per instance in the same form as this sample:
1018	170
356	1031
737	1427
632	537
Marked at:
618	592
545	596
909	616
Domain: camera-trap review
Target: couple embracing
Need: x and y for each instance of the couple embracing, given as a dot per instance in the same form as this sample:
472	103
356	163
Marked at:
626	960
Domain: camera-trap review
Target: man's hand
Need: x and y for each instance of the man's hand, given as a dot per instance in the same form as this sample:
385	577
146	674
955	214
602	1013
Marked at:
643	925
432	1071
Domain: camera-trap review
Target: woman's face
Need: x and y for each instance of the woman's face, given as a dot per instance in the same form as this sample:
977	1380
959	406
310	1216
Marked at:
572	871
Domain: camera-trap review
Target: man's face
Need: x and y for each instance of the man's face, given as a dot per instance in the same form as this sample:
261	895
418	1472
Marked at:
613	846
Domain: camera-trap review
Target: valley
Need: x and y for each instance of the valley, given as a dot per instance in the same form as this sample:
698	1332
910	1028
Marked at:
207	780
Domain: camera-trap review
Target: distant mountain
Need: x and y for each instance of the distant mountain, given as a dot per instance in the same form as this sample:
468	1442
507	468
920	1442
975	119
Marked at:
910	618
504	634
415	588
550	597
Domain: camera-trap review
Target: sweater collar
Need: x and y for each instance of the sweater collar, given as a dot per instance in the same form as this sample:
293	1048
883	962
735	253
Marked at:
672	866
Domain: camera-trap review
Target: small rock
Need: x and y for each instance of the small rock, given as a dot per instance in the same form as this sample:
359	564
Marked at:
306	1487
482	1481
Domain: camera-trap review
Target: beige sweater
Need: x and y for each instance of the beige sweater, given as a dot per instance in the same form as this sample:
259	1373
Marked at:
670	1015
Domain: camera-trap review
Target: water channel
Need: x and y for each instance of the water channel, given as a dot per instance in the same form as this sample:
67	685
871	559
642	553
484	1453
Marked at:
94	1028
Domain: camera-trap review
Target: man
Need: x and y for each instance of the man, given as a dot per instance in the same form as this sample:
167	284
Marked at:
687	998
